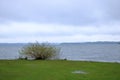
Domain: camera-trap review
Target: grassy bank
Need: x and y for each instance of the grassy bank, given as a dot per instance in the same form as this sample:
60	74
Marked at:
58	70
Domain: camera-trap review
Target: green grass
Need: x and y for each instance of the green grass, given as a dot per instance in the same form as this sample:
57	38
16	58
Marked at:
57	70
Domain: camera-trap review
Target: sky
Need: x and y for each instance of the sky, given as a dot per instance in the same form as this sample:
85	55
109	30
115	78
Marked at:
59	21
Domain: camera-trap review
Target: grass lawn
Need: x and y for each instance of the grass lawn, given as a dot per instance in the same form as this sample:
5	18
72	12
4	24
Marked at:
58	70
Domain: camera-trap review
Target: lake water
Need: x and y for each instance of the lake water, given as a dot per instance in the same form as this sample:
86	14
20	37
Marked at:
103	52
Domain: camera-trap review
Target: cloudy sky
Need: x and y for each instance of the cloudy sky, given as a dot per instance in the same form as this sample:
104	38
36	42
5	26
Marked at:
59	20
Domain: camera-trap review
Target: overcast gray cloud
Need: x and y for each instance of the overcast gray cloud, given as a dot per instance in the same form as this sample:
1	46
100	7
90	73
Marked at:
55	11
111	8
60	11
70	20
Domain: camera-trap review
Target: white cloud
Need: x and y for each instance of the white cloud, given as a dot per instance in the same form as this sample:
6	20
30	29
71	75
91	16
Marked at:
29	32
59	20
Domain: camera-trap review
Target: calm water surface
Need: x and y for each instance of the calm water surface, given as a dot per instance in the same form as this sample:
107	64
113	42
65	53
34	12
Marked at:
105	52
91	52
